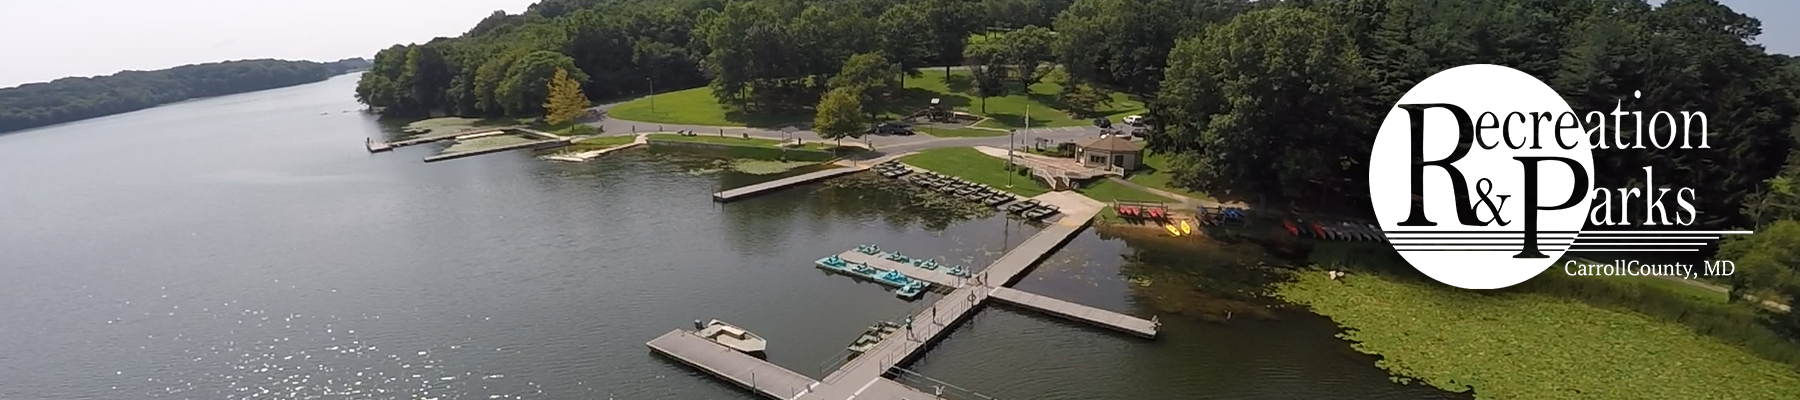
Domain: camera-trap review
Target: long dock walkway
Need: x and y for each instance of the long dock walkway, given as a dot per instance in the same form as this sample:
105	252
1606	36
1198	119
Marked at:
759	188
757	375
1078	312
846	168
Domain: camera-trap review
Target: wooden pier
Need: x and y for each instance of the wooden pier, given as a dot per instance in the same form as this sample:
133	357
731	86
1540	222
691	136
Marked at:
749	372
1116	321
759	188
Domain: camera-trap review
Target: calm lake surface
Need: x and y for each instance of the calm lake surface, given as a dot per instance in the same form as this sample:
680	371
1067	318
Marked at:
248	247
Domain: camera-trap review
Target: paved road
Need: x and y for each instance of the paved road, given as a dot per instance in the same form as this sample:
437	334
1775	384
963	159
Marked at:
883	144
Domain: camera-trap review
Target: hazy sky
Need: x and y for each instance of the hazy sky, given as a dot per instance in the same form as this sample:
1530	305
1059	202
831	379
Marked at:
41	40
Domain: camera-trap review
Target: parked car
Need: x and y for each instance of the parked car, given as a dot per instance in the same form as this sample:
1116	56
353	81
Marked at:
1134	120
893	128
1102	122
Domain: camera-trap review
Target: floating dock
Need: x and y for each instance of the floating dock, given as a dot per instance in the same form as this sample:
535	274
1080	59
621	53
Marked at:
880	261
904	286
748	372
1116	321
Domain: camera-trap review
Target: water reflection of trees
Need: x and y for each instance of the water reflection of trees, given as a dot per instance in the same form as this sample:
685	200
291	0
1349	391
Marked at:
1197	276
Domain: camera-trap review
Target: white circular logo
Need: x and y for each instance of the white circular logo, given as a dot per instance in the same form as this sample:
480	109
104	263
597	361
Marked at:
1481	176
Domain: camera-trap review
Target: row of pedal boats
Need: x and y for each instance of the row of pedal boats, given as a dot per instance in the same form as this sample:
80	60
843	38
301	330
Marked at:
971	191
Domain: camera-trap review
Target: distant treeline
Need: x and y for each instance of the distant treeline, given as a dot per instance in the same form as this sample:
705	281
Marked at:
73	99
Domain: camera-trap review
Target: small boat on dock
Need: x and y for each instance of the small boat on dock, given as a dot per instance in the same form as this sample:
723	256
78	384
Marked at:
731	336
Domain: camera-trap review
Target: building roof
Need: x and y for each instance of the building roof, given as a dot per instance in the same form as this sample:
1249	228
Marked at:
1110	143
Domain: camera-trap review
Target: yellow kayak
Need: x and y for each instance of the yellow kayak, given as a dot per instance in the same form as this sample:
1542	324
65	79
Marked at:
1172	230
1186	229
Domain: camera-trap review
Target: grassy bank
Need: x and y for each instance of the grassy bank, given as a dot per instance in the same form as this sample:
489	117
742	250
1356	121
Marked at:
1526	345
757	148
971	164
698	107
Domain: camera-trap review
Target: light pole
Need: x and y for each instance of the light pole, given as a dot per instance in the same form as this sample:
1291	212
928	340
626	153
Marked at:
1010	144
652	93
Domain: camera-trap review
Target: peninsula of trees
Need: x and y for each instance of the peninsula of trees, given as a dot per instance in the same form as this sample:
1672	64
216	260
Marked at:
73	99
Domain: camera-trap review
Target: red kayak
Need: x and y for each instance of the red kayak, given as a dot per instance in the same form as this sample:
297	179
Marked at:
1290	227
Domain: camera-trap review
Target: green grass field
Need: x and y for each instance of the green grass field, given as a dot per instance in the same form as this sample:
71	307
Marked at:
1532	346
698	107
967	163
1156	174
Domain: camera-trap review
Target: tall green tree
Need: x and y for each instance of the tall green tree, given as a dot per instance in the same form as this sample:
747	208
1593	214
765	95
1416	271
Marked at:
905	37
1246	98
839	115
527	81
988	66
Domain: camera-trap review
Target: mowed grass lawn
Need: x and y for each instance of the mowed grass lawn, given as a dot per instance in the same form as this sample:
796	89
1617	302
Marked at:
967	163
1156	174
698	107
1533	346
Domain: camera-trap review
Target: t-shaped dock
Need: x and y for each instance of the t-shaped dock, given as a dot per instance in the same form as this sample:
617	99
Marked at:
864	378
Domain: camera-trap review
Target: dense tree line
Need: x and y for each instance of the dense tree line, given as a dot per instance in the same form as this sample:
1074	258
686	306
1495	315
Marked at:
762	55
72	99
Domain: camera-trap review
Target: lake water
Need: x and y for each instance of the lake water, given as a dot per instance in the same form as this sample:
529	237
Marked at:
248	247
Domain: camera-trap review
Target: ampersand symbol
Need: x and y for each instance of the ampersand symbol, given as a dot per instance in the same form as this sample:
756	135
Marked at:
1482	188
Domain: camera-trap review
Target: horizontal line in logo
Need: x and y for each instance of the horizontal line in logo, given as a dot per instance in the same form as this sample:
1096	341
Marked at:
1492	232
1511	250
1512	244
1564	233
1667	232
1581	243
1618	250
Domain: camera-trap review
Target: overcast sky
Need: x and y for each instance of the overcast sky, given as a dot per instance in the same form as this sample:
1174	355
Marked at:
41	40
